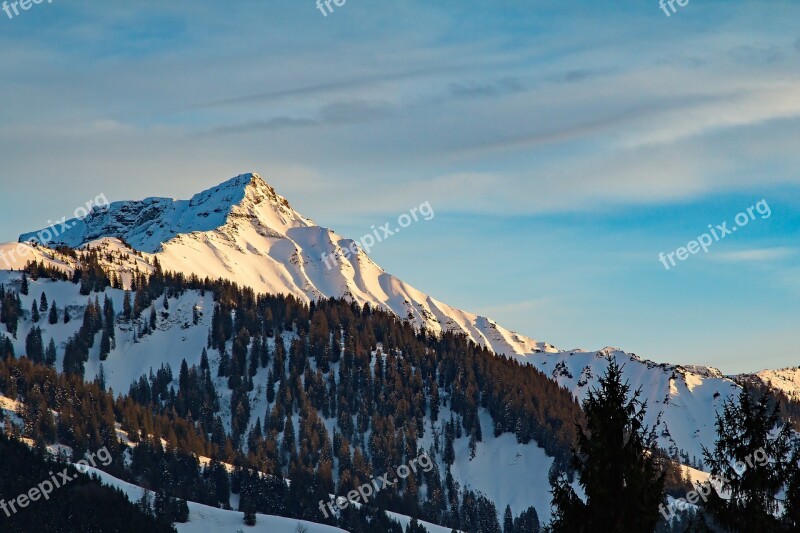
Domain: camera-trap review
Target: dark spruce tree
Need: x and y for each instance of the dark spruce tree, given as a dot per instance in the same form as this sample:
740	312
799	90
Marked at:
53	316
792	515
508	520
623	482
127	311
50	354
34	347
35	317
750	463
527	522
24	286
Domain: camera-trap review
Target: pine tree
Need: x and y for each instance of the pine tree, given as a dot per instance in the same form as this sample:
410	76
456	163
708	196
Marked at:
748	462
270	386
126	306
204	361
35	312
249	518
43	303
109	317
53	317
527	522
180	511
161	507
101	377
66	316
144	504
105	345
24	287
792	514
34	347
288	436
415	527
50	355
473	446
6	348
621	479
224	363
10	307
508	520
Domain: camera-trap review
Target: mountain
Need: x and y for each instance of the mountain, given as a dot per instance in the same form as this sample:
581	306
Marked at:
244	231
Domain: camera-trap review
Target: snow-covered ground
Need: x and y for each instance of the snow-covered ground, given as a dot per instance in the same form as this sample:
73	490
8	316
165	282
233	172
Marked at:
682	402
203	518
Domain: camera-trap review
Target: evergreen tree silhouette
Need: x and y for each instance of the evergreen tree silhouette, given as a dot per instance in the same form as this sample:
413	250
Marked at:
623	482
750	463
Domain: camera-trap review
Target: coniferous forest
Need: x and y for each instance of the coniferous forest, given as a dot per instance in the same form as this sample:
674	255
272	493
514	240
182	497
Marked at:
351	391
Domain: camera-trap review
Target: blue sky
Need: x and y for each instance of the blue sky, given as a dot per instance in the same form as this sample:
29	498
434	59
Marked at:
563	146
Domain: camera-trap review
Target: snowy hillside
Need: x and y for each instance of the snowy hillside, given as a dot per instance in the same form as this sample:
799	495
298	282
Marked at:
786	380
494	470
204	518
682	401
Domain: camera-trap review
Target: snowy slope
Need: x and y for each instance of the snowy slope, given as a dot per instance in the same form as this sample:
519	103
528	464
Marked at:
244	231
681	401
505	471
786	380
203	518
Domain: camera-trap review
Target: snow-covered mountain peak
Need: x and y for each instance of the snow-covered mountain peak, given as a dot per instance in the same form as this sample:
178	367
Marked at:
244	231
147	225
242	191
249	196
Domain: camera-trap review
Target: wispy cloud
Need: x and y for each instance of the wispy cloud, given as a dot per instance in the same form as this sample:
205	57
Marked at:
754	255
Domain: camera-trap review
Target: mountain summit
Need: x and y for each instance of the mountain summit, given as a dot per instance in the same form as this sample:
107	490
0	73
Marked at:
244	231
148	224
